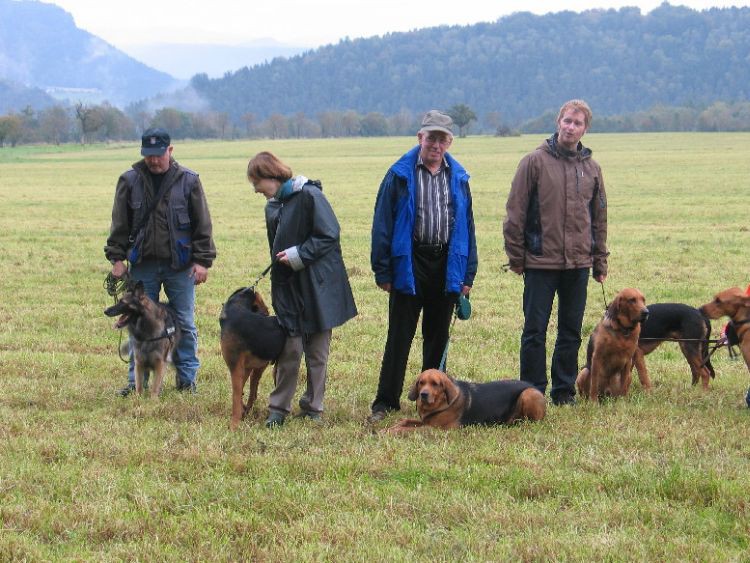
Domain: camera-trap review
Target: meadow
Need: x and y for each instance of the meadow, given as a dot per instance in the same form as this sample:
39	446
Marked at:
86	475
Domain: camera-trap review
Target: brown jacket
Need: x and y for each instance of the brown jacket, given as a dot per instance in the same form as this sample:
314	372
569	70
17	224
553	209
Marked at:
157	242
556	214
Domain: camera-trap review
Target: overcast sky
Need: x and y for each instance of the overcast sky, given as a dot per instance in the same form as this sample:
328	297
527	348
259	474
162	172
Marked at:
307	22
127	24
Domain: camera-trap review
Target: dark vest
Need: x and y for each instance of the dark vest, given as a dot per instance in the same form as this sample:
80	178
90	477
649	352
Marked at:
178	217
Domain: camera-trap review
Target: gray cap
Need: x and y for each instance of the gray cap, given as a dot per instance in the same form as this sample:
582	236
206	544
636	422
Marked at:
435	120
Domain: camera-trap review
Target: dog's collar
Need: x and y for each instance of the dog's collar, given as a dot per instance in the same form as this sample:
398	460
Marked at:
434	413
626	331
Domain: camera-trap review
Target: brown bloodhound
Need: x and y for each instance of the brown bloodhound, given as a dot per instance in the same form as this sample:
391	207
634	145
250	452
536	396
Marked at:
444	402
735	304
609	356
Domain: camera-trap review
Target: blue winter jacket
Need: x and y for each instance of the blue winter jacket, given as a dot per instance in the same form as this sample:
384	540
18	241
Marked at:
393	227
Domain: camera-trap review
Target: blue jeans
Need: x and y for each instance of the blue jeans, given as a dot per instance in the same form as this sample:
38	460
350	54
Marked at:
180	291
539	291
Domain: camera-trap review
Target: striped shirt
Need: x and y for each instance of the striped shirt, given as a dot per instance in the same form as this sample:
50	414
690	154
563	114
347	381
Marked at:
434	208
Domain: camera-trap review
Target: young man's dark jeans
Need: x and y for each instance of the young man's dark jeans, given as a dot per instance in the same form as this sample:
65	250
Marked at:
539	291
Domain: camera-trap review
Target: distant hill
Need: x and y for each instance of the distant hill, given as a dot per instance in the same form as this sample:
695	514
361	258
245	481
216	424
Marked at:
14	97
521	66
41	47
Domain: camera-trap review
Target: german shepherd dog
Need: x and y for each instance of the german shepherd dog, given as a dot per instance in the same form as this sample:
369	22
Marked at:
250	340
153	330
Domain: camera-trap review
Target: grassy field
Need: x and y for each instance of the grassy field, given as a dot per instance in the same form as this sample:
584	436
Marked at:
86	475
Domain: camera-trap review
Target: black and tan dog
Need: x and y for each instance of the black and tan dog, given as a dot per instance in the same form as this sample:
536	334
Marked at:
611	347
250	340
444	402
154	334
681	322
735	304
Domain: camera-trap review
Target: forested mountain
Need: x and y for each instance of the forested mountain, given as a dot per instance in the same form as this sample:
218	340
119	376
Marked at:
40	46
520	66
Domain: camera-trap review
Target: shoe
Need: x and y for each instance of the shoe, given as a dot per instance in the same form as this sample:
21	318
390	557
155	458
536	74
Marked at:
275	419
189	387
376	416
127	390
311	415
564	399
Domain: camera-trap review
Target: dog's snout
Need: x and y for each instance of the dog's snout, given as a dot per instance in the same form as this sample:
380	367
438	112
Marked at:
644	314
424	395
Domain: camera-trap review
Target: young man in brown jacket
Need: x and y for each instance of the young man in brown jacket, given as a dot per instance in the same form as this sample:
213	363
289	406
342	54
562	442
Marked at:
555	232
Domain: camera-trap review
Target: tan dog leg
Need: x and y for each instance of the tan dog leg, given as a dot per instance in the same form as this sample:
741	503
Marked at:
403	425
156	384
583	382
239	376
639	359
139	371
531	405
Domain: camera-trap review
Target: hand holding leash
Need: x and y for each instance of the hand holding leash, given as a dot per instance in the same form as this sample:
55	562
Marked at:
199	274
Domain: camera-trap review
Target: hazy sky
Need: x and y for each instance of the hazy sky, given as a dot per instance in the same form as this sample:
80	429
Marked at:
307	22
132	25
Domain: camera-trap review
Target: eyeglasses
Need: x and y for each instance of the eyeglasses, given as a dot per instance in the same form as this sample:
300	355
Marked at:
438	140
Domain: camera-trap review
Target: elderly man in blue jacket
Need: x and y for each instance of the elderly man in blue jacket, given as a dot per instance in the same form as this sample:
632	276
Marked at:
424	252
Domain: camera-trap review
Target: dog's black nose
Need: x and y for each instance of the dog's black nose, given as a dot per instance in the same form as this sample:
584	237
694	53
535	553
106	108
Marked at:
424	395
644	315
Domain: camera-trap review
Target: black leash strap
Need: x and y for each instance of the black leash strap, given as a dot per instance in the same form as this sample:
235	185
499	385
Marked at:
604	297
262	275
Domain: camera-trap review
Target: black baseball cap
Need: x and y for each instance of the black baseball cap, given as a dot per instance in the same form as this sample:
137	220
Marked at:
154	142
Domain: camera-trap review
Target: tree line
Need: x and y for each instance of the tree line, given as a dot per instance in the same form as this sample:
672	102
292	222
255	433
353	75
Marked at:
85	123
620	61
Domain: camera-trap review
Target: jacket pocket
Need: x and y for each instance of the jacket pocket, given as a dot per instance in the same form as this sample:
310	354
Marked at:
184	252
182	219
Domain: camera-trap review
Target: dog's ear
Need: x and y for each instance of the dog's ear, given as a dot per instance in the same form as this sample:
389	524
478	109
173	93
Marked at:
414	390
138	288
451	389
614	307
259	305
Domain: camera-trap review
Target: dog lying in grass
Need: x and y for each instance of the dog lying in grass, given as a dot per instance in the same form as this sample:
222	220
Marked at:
444	402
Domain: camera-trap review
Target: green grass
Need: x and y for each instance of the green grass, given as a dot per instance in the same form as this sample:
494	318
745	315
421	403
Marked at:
85	475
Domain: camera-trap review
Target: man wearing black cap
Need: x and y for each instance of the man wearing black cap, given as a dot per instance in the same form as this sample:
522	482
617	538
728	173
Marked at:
161	226
424	252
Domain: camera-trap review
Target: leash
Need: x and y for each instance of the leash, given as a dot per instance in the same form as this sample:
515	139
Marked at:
441	367
114	288
604	297
262	275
